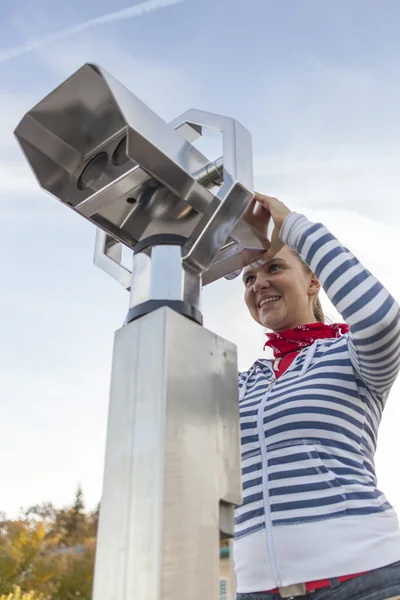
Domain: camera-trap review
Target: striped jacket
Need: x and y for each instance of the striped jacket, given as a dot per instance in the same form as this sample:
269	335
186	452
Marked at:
311	506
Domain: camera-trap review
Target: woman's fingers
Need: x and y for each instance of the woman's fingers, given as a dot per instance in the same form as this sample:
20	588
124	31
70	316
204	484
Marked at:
276	244
249	210
278	210
253	257
263	200
257	216
259	213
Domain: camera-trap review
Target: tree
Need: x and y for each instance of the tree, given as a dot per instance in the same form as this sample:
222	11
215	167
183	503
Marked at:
22	555
75	520
18	594
48	552
75	579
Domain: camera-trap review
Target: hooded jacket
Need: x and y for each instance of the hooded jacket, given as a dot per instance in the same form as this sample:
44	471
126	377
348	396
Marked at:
311	507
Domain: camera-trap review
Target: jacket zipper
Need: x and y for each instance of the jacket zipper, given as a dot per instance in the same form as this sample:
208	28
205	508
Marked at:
264	465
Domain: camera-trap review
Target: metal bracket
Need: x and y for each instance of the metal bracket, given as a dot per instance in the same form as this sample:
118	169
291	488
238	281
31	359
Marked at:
108	255
225	222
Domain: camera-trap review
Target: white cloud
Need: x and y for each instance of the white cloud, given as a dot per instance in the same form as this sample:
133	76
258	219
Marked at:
137	10
346	160
12	108
351	179
166	89
331	138
55	418
17	178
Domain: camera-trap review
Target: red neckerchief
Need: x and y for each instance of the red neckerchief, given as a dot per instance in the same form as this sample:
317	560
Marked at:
290	340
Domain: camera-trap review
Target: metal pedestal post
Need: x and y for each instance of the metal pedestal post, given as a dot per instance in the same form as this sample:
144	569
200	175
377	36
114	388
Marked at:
172	472
172	468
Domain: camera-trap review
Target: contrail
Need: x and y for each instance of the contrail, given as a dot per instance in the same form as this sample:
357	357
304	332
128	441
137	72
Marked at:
127	13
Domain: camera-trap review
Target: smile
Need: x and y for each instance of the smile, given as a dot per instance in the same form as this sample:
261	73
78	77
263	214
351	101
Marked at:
269	300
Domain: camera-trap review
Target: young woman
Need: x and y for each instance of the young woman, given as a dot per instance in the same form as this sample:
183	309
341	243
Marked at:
313	523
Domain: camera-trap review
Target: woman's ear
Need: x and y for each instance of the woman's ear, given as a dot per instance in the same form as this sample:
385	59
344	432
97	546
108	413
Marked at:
314	285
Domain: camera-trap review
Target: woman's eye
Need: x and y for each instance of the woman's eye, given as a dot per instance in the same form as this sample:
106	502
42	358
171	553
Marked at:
249	279
273	268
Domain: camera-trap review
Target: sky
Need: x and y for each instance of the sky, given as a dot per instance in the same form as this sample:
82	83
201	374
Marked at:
316	84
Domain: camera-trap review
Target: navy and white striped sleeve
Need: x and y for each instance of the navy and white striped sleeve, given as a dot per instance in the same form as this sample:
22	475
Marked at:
372	314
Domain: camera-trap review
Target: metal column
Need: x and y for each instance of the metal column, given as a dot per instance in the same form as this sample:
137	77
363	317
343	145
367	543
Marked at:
172	457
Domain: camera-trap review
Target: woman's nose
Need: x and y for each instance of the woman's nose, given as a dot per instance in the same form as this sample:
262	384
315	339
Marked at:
261	282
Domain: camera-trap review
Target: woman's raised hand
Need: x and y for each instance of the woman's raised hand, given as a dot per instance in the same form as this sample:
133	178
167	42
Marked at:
259	214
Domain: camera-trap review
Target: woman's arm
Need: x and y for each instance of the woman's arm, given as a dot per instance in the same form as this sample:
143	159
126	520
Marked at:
371	312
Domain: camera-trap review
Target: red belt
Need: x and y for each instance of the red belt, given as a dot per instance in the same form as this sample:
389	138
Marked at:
311	586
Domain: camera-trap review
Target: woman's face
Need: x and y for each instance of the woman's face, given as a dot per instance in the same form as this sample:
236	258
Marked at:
280	294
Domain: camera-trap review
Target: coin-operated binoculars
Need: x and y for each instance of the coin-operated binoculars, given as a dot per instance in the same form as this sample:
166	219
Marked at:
172	466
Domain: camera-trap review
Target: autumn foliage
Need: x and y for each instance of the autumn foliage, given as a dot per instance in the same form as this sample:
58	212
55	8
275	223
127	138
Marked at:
48	553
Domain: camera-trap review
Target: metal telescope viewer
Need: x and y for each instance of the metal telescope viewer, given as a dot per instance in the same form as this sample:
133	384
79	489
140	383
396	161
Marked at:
172	465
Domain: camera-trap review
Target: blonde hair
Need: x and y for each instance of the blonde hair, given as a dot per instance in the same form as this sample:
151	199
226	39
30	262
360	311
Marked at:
319	315
318	312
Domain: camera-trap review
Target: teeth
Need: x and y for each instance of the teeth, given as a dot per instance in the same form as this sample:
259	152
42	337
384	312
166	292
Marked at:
266	300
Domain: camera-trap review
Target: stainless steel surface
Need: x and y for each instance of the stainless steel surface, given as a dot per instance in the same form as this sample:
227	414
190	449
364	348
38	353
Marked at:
213	173
108	256
101	151
172	457
158	274
168	282
235	193
141	276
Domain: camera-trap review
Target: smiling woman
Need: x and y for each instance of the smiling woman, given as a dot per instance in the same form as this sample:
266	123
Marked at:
313	523
281	294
